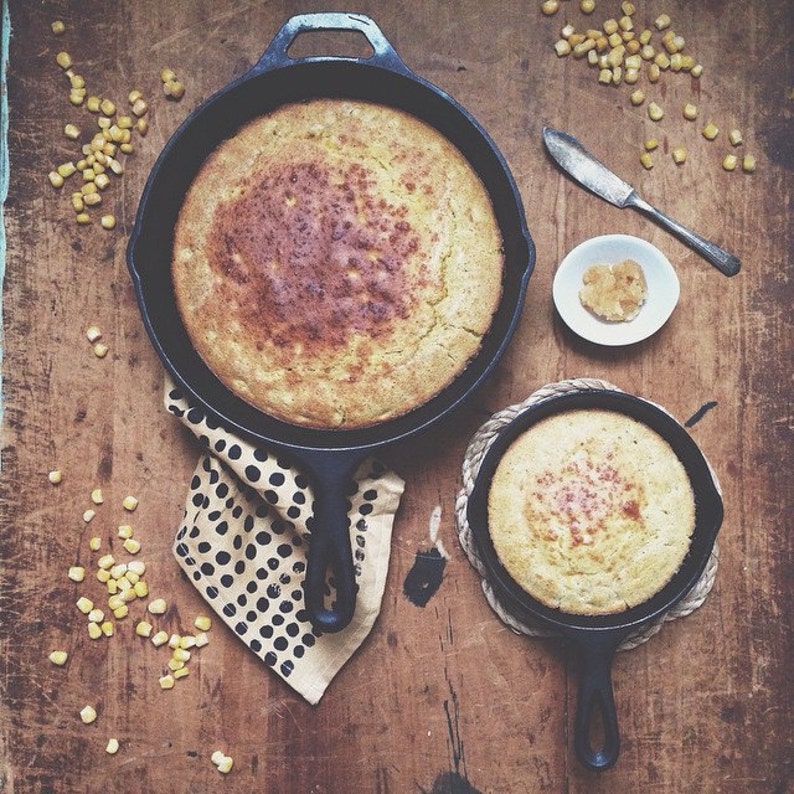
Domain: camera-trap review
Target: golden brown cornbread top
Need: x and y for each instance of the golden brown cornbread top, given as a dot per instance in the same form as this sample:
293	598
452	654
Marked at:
321	266
337	263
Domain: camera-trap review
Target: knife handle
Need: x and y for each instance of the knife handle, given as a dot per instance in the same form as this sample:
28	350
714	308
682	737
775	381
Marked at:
724	262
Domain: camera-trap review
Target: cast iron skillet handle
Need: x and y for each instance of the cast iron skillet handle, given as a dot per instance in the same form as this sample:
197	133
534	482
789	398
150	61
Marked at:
276	53
329	547
596	699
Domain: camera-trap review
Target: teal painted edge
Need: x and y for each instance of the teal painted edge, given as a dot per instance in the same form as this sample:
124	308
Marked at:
5	35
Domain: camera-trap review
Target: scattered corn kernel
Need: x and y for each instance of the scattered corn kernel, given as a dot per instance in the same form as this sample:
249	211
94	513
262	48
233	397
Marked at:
654	73
77	573
108	221
587	6
174	640
124	531
141	589
629	9
173	89
107	627
104	577
690	111
117	571
651	144
158	606
92	199
180	673
735	137
112	746
187	641
121	612
729	162
748	164
88	714
58	658
637	97
58	27
82	218
605	76
710	131
655	112
217	757
129	503
102	180
93	333
96	496
181	654
225	766
56	180
167	682
202	623
202	639
100	349
696	70
562	47
547	7
95	543
175	664
143	628
71	131
94	632
106	561
96	615
137	566
132	545
142	126
63	59
679	154
85	605
161	638
662	22
55	476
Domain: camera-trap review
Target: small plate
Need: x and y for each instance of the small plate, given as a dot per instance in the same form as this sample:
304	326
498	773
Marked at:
661	298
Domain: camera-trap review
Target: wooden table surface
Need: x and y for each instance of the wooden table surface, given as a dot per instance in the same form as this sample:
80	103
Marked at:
443	697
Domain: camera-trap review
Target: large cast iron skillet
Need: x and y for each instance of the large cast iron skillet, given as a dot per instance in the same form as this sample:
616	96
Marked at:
329	457
596	638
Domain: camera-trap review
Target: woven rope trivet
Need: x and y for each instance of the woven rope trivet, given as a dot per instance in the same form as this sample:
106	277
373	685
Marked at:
475	453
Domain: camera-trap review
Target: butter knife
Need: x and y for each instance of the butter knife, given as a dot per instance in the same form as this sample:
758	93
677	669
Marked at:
596	177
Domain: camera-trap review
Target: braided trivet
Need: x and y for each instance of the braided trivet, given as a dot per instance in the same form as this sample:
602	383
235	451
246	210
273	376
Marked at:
476	451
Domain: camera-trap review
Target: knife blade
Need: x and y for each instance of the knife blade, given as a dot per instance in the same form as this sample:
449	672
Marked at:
592	174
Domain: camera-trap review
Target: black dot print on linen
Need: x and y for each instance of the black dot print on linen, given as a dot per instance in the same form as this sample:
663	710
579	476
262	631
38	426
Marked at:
252	473
195	416
260	455
235	452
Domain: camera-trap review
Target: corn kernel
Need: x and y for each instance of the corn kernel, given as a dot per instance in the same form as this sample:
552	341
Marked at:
93	333
129	595
56	180
180	673
137	566
166	682
217	757
134	96
63	59
587	6
637	97
121	612
58	658
679	154
161	638
547	7
93	103
202	623
96	496
187	641
139	107
106	561
107	627
141	589
112	746
102	180
82	218
96	615
55	476
95	543
85	605
710	131
88	714
117	571
173	641
748	164
94	632
562	47
662	22
690	111
735	137
605	76
77	573
104	577
181	654
115	601
654	73
729	162
173	89
629	9
202	639
143	628
92	199
100	350
158	606
58	27
651	144
132	545
655	112
129	503
696	70
78	204
142	126
175	664
225	766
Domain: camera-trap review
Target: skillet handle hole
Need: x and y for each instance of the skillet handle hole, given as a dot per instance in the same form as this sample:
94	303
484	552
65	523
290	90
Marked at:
338	43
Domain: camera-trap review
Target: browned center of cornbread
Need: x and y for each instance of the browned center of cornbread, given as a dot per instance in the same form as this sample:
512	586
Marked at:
318	252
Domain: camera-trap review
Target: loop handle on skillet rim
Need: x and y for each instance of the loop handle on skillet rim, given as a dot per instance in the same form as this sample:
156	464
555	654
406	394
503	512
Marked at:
276	53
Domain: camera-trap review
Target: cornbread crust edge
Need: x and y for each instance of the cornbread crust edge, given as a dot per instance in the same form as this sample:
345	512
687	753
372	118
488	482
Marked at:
337	263
591	512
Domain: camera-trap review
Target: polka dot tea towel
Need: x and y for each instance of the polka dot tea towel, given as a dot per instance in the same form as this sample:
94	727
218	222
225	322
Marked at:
243	544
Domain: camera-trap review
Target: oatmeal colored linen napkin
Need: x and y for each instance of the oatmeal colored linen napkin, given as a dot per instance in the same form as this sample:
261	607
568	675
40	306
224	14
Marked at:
243	542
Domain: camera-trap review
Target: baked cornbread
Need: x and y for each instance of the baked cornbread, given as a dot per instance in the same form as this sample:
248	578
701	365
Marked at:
336	263
591	511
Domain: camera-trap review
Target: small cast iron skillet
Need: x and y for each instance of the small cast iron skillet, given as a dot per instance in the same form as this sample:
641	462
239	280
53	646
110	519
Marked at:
329	457
596	638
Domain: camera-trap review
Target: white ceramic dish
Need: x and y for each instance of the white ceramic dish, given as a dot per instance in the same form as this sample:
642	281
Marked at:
661	298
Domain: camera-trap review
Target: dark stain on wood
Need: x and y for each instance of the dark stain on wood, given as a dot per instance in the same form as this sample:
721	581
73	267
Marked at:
425	577
700	413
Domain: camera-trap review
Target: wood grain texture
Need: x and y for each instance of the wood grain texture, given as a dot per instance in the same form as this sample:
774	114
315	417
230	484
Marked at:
442	698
